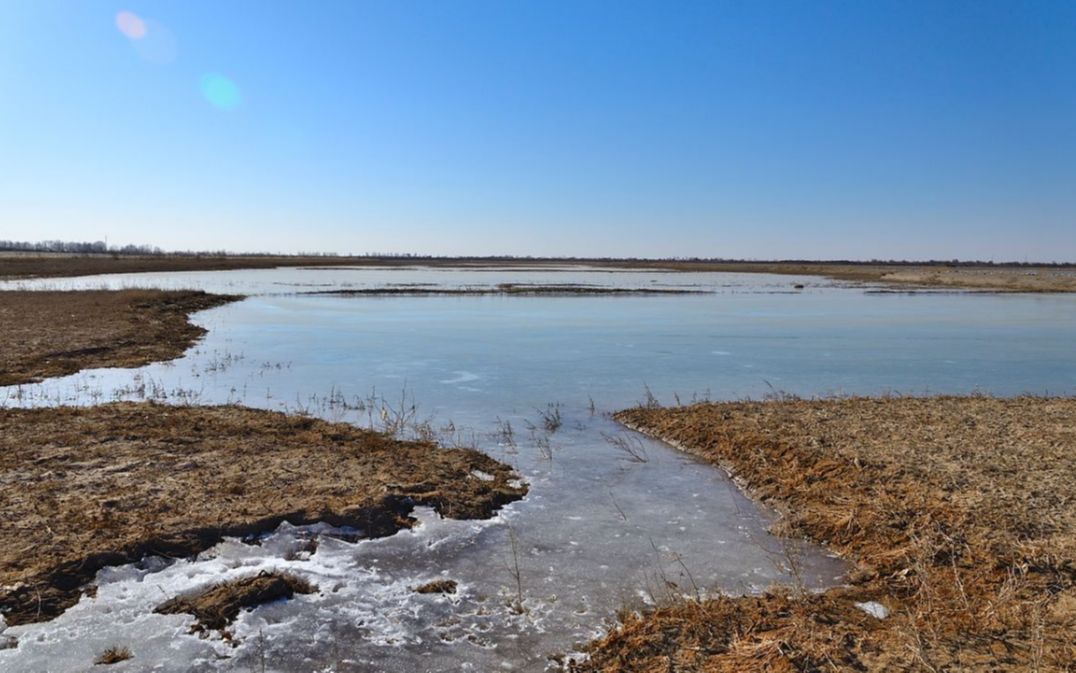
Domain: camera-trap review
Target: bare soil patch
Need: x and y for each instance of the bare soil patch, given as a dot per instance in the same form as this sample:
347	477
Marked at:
83	488
57	333
960	513
218	606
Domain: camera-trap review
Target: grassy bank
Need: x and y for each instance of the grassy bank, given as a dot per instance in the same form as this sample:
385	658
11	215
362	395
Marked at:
56	333
81	489
957	511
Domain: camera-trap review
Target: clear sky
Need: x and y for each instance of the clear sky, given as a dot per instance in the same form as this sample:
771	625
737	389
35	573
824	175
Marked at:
760	129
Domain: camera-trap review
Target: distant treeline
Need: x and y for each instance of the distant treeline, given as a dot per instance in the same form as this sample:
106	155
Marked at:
80	247
102	248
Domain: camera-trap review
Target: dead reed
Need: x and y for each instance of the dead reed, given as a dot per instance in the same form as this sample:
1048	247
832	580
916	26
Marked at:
957	511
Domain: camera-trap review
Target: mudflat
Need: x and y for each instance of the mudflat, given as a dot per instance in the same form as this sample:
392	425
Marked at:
83	488
959	513
57	333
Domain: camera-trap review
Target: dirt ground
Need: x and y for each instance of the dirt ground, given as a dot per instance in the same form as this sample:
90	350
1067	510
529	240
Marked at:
996	278
84	488
958	512
56	333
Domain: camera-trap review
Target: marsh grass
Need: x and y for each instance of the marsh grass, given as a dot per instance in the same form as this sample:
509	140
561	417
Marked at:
125	328
231	471
113	655
514	571
550	417
630	446
957	511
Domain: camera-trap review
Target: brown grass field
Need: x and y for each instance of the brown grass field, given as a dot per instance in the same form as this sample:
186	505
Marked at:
84	488
994	278
958	512
56	333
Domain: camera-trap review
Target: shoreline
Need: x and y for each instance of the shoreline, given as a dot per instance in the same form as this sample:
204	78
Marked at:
111	484
956	511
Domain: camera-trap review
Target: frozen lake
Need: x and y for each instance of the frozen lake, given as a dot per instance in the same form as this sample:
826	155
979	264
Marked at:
603	527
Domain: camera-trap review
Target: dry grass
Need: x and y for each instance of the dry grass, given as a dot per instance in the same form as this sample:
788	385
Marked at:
57	333
84	488
904	276
436	587
54	265
958	512
218	606
113	655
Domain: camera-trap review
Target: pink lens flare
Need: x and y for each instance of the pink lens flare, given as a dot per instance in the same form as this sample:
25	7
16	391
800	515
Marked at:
131	25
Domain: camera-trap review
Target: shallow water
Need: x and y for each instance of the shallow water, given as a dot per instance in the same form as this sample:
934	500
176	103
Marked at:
601	528
291	280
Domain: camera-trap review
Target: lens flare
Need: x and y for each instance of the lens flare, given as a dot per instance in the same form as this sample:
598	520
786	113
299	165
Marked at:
159	45
131	25
220	91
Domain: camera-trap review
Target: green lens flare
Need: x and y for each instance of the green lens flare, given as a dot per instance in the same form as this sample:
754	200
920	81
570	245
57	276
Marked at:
220	91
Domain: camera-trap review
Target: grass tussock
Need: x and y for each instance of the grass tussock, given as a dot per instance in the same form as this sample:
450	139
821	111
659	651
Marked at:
957	511
437	587
218	606
113	655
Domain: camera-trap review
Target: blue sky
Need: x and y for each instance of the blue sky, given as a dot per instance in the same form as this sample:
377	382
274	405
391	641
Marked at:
736	129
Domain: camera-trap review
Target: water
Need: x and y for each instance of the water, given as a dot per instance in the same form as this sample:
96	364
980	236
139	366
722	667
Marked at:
291	280
601	529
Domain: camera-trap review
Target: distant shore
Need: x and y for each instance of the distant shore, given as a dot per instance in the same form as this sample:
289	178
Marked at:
903	276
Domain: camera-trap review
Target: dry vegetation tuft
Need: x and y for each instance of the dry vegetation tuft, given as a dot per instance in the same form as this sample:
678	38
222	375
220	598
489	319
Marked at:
57	333
113	655
436	587
218	606
83	488
958	511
